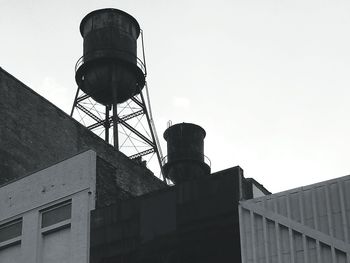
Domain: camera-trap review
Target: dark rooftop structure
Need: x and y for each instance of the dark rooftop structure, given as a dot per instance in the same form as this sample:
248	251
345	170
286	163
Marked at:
138	217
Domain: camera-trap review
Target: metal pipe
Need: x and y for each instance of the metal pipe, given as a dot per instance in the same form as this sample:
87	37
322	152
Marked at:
143	52
115	125
75	101
153	137
114	105
107	124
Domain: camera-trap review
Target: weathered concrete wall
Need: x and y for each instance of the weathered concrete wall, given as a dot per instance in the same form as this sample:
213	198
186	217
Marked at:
34	134
72	180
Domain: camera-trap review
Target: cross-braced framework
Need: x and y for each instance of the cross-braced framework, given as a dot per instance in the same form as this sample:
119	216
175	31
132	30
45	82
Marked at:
129	125
137	137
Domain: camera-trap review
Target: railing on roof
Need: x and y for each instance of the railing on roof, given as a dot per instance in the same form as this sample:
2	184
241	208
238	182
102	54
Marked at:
207	161
112	54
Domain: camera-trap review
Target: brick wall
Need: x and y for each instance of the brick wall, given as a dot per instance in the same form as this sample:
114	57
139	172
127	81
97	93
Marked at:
34	134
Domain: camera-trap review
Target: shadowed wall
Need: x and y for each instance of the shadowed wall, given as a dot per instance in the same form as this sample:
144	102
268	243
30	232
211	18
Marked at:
35	134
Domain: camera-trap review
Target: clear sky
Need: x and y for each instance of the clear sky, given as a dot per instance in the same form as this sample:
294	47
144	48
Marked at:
268	80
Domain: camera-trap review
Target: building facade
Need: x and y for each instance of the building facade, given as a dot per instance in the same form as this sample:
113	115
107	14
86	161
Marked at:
66	195
97	202
306	224
45	216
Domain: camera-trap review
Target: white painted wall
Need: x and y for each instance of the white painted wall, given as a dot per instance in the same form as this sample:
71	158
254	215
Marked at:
73	179
257	192
11	254
307	224
56	247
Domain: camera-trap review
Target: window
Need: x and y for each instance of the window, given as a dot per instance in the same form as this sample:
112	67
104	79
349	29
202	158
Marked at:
56	217
10	232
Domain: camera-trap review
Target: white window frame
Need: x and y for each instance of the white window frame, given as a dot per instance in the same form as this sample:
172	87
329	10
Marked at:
12	241
59	225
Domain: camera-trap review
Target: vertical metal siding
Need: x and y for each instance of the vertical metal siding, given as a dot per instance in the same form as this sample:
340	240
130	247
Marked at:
304	225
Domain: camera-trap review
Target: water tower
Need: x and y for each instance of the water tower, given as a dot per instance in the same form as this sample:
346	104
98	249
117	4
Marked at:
185	146
111	80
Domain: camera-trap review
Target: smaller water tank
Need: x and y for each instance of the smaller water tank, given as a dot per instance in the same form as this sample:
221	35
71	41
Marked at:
109	70
185	148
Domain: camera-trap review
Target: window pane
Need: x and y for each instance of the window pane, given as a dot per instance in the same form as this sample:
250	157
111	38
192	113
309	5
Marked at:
10	230
56	215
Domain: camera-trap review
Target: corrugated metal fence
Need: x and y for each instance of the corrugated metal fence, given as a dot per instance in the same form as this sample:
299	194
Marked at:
304	225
